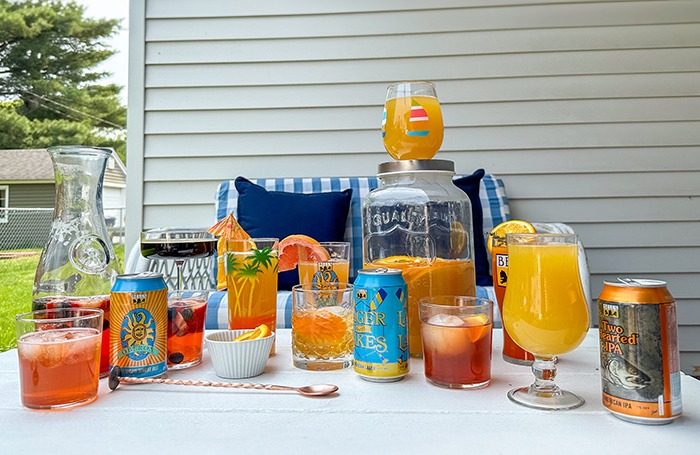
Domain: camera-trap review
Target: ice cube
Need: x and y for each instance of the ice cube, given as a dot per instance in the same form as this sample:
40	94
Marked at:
446	335
80	348
449	320
179	326
336	310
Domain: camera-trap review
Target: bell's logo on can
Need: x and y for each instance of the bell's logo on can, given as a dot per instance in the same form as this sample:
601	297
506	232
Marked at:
501	270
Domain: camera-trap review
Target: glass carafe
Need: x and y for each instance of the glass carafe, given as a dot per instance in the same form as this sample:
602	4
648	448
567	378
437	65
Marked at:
420	222
78	264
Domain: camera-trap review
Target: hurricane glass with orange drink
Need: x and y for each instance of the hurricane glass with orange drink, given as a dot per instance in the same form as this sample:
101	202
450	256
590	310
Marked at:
545	311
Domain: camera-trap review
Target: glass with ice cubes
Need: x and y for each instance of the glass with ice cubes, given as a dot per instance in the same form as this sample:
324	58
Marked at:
456	333
59	356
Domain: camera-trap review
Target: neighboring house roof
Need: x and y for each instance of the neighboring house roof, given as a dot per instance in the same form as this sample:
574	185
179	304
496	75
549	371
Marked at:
35	164
30	164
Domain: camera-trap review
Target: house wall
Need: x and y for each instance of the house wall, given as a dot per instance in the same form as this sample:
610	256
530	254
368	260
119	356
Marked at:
32	195
589	111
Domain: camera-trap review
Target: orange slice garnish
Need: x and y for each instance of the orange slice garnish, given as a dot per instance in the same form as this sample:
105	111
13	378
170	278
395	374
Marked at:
260	331
498	233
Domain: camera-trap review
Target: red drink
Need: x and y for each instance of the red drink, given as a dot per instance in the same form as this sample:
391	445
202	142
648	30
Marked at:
59	368
98	301
456	351
185	331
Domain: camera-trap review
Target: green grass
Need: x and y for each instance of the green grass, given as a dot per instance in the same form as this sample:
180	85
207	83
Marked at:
16	292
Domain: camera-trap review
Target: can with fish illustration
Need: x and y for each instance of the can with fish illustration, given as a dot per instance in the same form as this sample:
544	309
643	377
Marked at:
639	360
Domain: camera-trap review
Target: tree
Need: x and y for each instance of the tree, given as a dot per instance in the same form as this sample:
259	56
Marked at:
50	92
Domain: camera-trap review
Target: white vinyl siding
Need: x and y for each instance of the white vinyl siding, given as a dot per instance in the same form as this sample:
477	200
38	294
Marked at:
589	111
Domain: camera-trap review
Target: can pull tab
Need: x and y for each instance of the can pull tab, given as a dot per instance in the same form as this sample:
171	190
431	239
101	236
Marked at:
629	281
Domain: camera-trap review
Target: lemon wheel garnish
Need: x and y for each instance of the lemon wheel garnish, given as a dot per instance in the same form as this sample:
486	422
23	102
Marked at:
260	331
498	233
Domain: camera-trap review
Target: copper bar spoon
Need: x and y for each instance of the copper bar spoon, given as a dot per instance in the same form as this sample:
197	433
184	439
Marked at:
315	390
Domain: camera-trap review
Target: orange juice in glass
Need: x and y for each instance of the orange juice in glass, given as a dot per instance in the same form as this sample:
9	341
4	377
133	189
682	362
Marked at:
325	274
545	311
426	278
412	126
251	276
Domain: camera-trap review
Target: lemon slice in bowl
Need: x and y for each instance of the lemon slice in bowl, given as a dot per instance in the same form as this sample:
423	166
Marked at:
260	331
498	233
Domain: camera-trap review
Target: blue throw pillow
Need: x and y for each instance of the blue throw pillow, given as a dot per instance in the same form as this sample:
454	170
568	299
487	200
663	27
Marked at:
470	185
263	213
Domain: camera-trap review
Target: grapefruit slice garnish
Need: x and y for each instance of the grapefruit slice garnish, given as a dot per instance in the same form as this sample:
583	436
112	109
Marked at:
289	253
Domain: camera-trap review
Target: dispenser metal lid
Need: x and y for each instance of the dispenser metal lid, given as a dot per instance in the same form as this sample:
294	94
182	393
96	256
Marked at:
390	167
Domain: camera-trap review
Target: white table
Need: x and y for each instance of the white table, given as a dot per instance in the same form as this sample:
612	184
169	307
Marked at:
410	416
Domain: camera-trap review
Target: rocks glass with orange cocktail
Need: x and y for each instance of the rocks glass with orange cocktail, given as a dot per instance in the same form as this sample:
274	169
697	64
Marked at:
322	312
545	311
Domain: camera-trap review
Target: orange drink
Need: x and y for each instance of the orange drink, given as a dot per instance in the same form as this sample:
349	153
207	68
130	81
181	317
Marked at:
322	327
323	274
413	127
324	271
425	279
544	309
498	248
251	275
59	356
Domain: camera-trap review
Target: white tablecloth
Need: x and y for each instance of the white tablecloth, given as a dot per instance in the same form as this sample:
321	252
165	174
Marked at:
410	416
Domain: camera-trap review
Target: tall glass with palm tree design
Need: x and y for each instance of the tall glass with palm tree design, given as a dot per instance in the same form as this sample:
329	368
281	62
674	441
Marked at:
251	276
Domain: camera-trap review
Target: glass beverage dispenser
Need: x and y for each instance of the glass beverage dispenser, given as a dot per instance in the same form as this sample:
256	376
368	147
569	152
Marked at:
418	221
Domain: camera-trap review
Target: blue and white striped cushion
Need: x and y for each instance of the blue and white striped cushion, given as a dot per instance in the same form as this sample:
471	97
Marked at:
227	201
493	201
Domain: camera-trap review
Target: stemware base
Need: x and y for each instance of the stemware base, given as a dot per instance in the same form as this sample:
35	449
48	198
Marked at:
560	400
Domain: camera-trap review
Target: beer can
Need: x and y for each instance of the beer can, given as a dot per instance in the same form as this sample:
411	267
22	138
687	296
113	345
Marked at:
381	325
139	315
639	359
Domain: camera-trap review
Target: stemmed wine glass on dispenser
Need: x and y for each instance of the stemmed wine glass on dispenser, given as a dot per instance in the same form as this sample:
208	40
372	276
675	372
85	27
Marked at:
177	244
412	126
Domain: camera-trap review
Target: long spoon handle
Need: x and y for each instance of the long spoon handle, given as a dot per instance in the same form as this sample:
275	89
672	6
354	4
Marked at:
115	380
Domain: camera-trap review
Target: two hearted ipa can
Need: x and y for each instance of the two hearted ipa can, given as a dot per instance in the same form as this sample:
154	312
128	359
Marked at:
639	359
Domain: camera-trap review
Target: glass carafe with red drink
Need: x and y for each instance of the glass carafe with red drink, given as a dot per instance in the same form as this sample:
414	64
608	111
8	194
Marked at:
78	264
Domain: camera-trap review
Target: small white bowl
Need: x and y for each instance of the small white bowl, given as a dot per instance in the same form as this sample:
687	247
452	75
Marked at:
240	359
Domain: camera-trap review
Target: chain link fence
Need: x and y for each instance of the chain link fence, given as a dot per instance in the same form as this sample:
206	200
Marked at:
29	228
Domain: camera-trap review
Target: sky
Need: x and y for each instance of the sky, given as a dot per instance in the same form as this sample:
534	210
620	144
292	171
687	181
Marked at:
118	64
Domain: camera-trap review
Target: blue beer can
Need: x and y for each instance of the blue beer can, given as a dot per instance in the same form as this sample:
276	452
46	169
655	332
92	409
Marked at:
139	325
381	325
